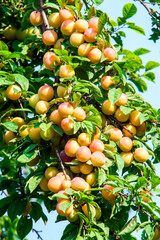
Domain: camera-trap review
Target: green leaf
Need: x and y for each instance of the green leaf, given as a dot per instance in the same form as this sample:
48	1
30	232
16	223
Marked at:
18	56
45	126
141	182
90	127
129	227
58	129
141	51
27	157
37	212
22	80
126	110
13	210
1	137
3	46
33	182
12	126
76	127
114	94
64	206
95	119
129	10
101	176
102	21
98	2
51	5
119	162
150	65
5	53
149	76
24	226
62	3
78	5
136	28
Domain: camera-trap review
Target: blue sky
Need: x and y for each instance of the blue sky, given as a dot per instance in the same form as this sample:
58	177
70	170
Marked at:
53	231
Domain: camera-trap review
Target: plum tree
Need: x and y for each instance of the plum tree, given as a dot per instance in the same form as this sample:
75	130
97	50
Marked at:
74	131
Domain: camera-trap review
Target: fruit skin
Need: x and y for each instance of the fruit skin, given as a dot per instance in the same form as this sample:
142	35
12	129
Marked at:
90	35
32	31
101	45
66	184
79	114
85	210
19	121
145	198
58	44
20	35
33	100
78	184
50	60
93	23
141	155
108	108
109	195
62	176
8	136
64	157
10	33
95	55
67	124
27	209
36	18
96	145
131	128
55	20
47	134
55	184
98	159
73	216
120	116
76	39
67	212
33	162
127	158
115	134
97	134
42	107
70	1
83	50
44	184
34	134
76	168
140	131
122	100
83	154
24	130
66	71
81	25
51	172
125	144
86	168
106	82
65	109
84	139
61	91
67	27
66	14
63	193
134	118
71	147
110	54
11	94
91	178
49	37
55	117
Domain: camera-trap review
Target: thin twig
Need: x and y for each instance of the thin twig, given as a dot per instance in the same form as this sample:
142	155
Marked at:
37	232
6	194
60	160
24	113
144	5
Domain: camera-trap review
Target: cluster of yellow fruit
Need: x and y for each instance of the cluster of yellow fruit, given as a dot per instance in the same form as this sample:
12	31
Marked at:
82	35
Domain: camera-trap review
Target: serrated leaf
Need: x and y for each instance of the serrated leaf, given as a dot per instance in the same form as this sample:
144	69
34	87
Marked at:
129	227
150	65
129	10
114	94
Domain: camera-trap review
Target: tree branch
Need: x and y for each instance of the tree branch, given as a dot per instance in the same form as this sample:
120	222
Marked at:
45	20
37	232
6	194
144	5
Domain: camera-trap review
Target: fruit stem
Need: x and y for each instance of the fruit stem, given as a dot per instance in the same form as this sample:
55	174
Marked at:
24	113
60	160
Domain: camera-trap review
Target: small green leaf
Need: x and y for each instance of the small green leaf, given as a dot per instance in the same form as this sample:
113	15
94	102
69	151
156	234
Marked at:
151	64
129	10
51	5
12	126
141	51
76	127
64	206
129	227
114	94
98	2
22	80
149	76
119	162
136	28
126	110
102	21
33	182
45	126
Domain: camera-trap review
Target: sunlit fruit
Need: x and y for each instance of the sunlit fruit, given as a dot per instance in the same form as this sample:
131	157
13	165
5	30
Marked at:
75	168
140	131
78	184
108	108
71	147
67	27
141	155
84	139
108	195
134	118
81	25
110	54
91	178
50	60
76	39
97	133
73	216
86	212
101	45
66	71
61	91
90	35
8	136
67	124
83	154
55	117
84	49
33	100
58	44
51	172
55	20
131	128
96	145
49	37
36	18
44	184
125	144
67	211
55	184
45	93
115	134
66	14
106	82
66	184
93	23
79	114
121	116
63	176
127	158
34	134
13	92
144	194
42	107
24	130
122	100
98	159
65	109
32	31
10	33
62	192
95	55
86	168
19	121
27	209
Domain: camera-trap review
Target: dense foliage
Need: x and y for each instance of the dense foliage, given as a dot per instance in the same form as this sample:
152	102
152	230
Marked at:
74	133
